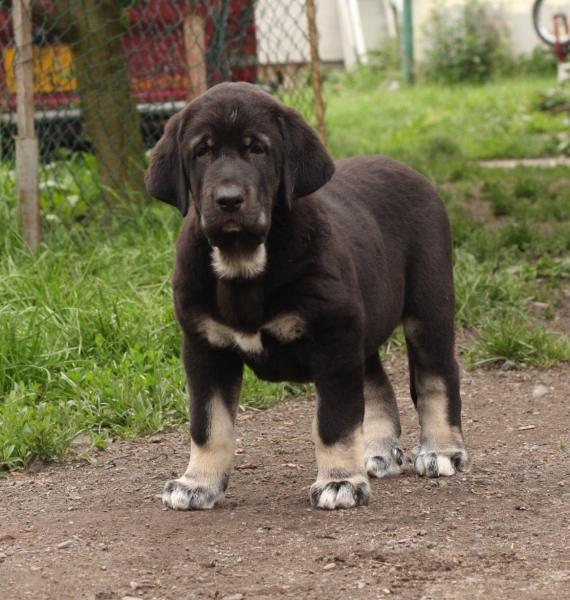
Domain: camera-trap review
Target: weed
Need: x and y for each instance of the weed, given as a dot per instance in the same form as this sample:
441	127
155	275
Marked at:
512	339
467	44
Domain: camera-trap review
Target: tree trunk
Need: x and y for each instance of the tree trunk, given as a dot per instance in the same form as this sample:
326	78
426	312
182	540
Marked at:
94	32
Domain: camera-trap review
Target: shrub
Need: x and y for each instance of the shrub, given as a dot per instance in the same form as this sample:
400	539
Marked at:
467	44
542	61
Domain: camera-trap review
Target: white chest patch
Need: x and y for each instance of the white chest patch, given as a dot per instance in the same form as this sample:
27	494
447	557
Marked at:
285	328
234	267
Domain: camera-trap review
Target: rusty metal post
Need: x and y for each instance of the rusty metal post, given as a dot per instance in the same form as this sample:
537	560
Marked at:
316	71
27	154
194	46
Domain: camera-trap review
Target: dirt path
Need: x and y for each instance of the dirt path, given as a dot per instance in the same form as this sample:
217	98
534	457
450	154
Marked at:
502	531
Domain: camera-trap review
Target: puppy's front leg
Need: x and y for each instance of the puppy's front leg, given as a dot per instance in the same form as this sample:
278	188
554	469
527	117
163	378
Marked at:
342	481
214	379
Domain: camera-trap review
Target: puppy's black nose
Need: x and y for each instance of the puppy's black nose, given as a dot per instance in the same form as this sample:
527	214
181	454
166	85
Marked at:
229	198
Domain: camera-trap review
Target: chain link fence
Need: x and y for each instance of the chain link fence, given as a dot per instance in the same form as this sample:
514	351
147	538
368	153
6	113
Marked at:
108	74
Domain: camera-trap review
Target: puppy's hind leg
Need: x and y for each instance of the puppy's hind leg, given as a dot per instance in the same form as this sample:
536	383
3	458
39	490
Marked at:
214	378
435	384
383	454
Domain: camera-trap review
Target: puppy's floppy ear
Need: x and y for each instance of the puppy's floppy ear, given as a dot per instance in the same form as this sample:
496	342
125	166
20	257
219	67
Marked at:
166	178
307	165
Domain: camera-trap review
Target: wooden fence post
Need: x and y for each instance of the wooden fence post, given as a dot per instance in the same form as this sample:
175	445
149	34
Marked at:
195	48
27	153
316	71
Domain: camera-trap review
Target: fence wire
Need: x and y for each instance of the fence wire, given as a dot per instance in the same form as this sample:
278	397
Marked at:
108	75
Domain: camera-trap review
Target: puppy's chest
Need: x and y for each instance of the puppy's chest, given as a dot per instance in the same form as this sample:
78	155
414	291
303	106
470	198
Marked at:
286	328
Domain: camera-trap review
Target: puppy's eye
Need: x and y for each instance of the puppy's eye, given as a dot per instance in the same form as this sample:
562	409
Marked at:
257	149
202	152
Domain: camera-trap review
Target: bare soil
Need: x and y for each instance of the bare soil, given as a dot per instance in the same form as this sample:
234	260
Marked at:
502	531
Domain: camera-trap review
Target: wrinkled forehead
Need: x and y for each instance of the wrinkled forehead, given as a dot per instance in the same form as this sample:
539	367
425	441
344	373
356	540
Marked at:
233	122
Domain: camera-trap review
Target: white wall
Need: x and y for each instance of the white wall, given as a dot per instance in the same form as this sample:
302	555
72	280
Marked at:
283	33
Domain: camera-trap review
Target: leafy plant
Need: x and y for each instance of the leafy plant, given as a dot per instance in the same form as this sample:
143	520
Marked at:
466	45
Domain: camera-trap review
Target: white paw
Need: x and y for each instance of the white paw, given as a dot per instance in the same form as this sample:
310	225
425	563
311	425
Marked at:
344	493
185	494
382	460
429	462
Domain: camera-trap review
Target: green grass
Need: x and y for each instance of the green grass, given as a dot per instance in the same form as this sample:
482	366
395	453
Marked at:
494	120
88	338
514	340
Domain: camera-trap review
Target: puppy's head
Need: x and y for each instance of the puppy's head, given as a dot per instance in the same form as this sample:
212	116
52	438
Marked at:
238	152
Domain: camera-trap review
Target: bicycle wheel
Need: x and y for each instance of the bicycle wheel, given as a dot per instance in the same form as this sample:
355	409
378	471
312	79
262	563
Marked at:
543	13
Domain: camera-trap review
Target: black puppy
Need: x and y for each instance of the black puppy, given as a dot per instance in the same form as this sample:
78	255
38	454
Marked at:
302	269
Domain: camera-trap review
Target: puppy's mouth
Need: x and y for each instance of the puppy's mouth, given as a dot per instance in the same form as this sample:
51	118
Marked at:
233	235
231	227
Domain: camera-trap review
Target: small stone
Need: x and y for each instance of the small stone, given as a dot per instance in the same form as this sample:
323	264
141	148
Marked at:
386	591
539	391
134	585
361	584
156	439
329	566
65	544
509	365
422	532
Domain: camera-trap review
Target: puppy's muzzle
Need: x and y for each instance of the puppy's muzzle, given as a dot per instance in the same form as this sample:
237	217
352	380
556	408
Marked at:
229	198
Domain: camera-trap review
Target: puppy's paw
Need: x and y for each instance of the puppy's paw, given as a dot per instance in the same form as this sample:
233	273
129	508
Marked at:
382	460
342	493
185	494
431	462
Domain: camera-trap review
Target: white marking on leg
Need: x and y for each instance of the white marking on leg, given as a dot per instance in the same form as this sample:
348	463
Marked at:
383	454
433	413
441	447
341	479
344	457
243	266
204	481
215	458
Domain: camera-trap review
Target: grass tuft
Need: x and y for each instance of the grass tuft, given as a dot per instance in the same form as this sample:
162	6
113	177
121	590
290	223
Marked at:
517	342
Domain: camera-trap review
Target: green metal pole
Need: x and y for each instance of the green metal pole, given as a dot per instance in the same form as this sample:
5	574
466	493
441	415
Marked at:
408	42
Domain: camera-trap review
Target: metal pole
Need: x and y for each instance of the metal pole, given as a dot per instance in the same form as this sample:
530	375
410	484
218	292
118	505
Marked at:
408	42
316	71
27	154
